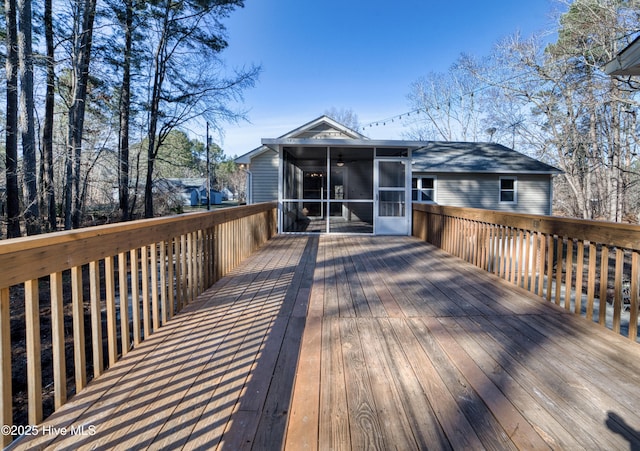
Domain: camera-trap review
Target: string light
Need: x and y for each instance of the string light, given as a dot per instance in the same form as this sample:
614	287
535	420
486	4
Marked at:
438	105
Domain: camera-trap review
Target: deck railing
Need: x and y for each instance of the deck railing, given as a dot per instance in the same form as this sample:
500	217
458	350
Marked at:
129	278
588	267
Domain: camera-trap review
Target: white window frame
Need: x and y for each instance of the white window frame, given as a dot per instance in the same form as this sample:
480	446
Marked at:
515	190
419	188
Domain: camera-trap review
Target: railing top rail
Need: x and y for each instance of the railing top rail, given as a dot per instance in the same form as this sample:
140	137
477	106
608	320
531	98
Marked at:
608	233
32	257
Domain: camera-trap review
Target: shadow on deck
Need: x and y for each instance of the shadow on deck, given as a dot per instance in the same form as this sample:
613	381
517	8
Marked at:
361	342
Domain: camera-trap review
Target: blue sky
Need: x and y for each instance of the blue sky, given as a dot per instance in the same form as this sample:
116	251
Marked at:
357	54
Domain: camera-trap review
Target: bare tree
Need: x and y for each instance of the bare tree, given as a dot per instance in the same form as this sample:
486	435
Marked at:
344	116
47	133
80	58
186	78
11	140
126	21
555	102
25	70
448	105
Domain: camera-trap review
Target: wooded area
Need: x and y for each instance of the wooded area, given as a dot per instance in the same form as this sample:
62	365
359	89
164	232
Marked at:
98	98
548	96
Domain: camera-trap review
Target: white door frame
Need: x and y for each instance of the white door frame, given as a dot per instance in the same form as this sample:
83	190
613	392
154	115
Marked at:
392	222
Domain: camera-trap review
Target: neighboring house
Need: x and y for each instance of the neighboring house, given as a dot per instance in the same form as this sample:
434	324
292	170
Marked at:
329	178
188	191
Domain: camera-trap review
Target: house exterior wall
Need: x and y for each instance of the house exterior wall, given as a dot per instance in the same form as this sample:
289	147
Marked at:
483	191
264	169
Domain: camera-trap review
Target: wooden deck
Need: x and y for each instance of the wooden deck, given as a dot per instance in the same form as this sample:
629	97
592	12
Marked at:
343	342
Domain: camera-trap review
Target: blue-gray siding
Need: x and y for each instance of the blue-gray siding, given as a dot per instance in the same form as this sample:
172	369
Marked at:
482	191
264	168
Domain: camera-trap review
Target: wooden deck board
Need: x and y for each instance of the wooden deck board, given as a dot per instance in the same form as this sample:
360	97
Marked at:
338	342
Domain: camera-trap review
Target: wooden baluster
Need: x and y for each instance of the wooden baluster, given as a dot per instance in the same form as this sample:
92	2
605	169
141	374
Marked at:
526	253
183	269
79	356
34	363
96	318
533	256
579	277
163	284
110	301
135	297
146	317
568	280
559	265
123	291
542	245
617	297
550	248
57	341
591	280
171	281
604	277
155	307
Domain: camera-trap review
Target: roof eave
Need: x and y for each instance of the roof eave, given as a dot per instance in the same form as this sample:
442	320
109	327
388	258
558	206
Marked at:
247	157
313	142
492	171
627	62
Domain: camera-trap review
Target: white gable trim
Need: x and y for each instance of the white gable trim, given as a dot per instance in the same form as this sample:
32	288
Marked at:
247	157
346	132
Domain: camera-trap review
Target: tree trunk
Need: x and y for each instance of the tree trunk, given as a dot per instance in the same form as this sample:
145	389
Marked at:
158	80
80	79
125	109
25	69
47	134
13	200
612	165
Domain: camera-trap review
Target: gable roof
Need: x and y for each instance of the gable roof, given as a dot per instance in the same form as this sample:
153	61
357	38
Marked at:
323	127
428	156
439	156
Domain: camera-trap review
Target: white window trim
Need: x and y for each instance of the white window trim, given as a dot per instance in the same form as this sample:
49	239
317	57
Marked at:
515	190
419	188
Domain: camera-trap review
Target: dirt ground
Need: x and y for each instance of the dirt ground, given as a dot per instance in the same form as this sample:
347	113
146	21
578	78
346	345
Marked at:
18	346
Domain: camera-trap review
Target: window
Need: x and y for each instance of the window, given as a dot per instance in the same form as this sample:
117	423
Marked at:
508	189
423	189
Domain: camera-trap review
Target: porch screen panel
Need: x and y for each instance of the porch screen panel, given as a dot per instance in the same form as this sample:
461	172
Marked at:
391	174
